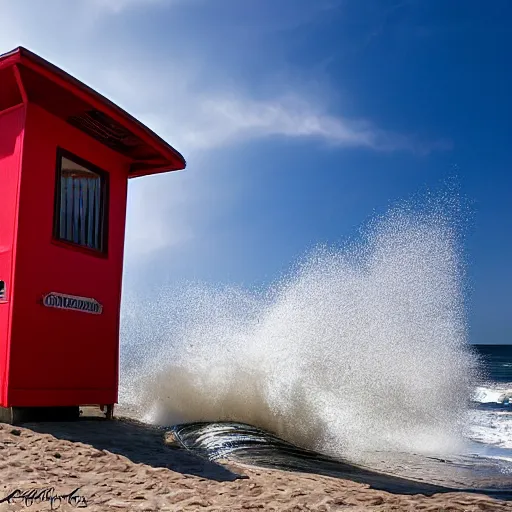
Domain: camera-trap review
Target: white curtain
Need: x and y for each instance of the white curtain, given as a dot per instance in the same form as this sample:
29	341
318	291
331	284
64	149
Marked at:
80	211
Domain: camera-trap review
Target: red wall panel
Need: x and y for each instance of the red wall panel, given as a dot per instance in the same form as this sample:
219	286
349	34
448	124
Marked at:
11	142
55	351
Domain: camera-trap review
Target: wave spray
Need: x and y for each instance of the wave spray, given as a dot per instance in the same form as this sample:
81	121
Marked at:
359	348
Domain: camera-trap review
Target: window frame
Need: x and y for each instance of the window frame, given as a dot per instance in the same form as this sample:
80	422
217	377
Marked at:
104	203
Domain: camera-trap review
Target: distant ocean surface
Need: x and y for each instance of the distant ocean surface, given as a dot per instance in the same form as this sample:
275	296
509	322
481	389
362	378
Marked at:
491	420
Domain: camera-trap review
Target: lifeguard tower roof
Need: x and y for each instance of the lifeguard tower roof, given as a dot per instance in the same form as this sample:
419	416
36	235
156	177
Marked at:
26	77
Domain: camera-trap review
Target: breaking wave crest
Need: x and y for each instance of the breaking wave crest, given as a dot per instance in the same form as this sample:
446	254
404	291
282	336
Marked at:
359	347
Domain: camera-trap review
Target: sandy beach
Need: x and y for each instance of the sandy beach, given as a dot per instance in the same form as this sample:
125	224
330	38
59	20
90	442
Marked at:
126	465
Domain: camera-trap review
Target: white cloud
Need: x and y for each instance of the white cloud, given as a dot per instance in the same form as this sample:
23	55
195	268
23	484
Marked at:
223	120
203	120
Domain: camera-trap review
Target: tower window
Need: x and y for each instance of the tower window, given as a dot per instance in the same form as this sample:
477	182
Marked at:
81	203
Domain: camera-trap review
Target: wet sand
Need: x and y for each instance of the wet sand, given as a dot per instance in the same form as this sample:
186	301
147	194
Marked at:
126	465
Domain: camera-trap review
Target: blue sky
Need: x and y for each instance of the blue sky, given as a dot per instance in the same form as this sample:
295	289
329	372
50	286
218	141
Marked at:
299	119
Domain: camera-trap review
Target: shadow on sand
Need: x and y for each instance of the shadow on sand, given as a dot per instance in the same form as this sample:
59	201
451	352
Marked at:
139	442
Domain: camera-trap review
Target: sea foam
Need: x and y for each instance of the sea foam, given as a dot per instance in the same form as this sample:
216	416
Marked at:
360	347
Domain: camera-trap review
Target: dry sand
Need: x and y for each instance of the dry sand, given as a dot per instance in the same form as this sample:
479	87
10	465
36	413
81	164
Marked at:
125	465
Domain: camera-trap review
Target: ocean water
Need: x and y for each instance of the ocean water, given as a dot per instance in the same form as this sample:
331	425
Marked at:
360	352
491	411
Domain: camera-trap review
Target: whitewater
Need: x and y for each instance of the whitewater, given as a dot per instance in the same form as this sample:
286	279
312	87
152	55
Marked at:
361	346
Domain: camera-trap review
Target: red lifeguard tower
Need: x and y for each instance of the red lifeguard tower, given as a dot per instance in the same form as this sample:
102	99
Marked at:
66	154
